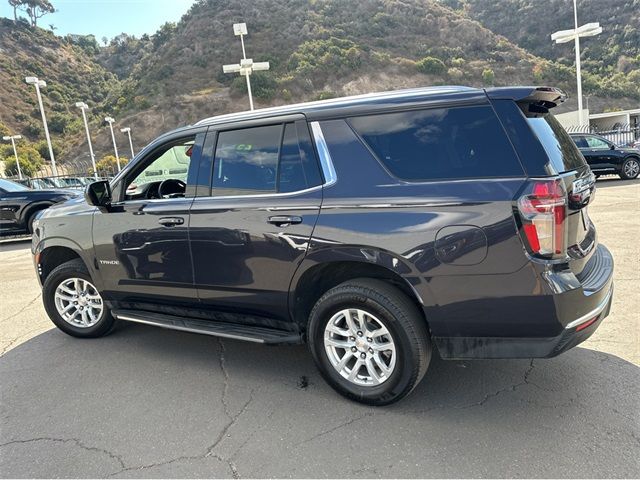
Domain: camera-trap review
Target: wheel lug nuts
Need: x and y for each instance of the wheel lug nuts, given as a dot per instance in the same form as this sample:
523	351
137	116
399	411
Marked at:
363	355
352	339
359	334
369	339
370	350
354	349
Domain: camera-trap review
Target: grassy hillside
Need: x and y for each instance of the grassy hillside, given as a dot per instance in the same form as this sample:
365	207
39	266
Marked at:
613	56
69	69
317	49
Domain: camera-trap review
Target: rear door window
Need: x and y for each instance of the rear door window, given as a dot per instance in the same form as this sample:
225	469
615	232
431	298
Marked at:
561	150
597	143
262	160
440	143
246	161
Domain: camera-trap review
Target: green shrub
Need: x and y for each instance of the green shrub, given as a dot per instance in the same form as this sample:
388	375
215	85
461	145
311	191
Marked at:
488	76
30	160
431	66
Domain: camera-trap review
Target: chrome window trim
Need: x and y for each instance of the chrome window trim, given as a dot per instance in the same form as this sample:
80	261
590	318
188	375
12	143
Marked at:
261	195
593	313
326	163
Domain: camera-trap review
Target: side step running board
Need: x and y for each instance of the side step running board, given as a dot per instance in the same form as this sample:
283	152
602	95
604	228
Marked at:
249	333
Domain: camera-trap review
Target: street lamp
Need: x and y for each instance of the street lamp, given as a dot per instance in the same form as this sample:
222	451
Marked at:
110	121
13	139
246	65
127	130
41	83
564	36
83	107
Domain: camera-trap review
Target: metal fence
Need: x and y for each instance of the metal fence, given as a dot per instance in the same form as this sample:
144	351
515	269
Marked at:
620	134
75	176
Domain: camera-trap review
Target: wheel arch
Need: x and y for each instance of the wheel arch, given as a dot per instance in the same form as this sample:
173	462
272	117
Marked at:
33	207
53	252
315	278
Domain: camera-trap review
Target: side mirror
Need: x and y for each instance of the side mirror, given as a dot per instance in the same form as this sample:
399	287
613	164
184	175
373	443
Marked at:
612	147
98	194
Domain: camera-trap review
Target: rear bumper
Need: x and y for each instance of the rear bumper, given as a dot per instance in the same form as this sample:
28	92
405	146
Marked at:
579	312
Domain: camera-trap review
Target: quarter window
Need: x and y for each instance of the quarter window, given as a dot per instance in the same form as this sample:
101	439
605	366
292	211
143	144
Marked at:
439	143
262	160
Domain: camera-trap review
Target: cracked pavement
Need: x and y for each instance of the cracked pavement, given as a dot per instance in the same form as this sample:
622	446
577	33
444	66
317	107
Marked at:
146	402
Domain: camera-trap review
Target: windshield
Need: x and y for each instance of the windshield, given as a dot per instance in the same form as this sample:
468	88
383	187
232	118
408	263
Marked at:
562	151
9	186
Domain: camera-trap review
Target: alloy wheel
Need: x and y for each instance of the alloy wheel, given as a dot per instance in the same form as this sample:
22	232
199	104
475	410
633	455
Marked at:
631	168
360	347
78	302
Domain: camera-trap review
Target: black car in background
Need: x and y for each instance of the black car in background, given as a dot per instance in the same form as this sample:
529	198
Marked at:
19	205
377	228
605	157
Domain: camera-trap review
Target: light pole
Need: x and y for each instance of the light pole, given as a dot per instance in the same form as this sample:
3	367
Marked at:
564	36
13	139
83	107
127	130
110	121
246	65
41	83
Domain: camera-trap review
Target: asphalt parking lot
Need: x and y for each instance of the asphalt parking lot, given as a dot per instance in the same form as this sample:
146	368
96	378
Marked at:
145	402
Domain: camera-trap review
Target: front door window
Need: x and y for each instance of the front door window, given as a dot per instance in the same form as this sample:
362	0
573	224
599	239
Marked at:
166	174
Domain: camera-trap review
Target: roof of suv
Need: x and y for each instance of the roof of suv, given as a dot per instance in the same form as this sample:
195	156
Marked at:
415	95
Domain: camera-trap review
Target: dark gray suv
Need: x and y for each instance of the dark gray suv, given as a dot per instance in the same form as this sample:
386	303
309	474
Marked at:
375	228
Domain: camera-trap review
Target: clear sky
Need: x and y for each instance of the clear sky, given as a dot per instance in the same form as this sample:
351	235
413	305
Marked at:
108	18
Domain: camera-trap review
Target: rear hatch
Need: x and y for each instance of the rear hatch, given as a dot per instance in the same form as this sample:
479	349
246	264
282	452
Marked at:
575	183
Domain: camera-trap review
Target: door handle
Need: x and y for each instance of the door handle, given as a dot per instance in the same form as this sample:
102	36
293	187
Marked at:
171	221
284	221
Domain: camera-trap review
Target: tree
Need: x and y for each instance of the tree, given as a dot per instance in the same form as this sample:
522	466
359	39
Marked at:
15	4
53	27
108	165
35	9
30	160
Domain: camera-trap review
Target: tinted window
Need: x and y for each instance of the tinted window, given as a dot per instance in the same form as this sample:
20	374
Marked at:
298	166
461	142
597	143
562	152
265	160
579	141
246	161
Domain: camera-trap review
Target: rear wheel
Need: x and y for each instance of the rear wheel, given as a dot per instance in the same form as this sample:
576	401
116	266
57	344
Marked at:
630	168
74	304
369	341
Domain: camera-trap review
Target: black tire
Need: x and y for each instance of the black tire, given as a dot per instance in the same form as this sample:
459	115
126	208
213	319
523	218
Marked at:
73	269
31	219
398	314
633	164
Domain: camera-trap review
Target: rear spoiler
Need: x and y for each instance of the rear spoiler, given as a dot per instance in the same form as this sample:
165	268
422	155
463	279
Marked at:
544	98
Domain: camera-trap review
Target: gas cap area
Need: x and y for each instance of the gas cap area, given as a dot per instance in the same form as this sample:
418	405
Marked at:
461	245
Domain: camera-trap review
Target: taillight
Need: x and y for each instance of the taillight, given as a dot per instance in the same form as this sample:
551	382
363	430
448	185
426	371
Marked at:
543	211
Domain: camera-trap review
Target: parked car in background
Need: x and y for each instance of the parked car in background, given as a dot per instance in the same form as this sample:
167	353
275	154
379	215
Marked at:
19	205
605	157
375	228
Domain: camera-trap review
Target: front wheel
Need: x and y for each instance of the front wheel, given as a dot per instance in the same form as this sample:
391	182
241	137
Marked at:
74	304
369	341
630	169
